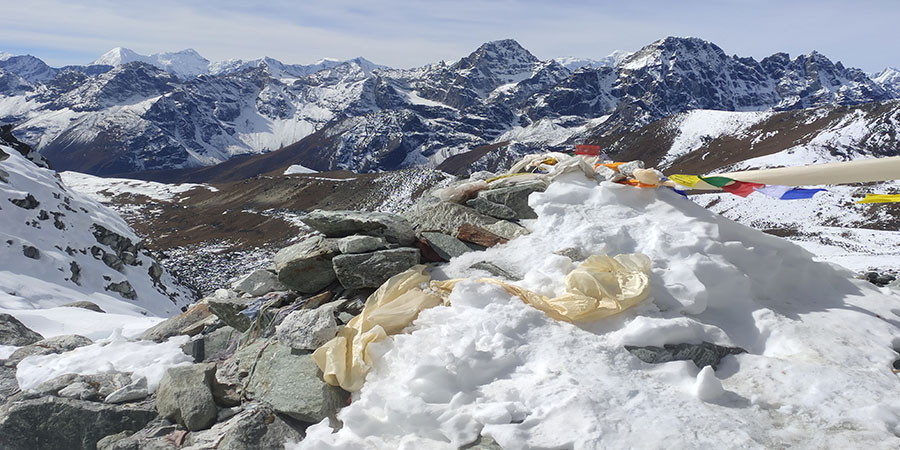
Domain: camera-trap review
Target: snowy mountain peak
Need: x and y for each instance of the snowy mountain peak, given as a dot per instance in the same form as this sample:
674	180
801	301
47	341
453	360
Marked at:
119	55
612	60
186	63
889	80
4	56
667	51
28	67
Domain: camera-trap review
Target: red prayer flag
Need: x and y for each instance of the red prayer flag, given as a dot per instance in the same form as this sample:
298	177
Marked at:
741	188
590	150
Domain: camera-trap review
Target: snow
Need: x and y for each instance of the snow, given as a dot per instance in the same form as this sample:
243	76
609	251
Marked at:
6	350
817	372
548	132
105	189
697	126
298	168
115	353
34	290
186	63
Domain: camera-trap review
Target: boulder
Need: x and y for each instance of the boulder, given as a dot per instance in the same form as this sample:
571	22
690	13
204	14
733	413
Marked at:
493	269
306	267
703	354
123	288
29	202
308	329
13	332
292	384
174	325
53	423
56	344
185	396
80	390
444	245
479	236
256	427
360	244
446	218
216	344
84	304
159	434
136	390
257	283
492	209
515	197
392	227
372	269
31	252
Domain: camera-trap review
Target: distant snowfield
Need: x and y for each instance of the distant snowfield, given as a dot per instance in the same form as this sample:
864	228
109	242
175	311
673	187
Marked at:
105	189
817	372
699	125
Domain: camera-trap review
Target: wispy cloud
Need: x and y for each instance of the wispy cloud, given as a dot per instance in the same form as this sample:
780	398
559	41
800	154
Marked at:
405	33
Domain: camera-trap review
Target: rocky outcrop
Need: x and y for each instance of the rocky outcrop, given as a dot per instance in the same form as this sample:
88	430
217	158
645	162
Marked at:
13	332
259	282
53	423
702	355
308	329
56	344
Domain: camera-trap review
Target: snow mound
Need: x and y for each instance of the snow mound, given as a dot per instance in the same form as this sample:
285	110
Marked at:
817	372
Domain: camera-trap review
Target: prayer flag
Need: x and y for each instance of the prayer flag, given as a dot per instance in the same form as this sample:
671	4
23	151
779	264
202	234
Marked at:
589	150
717	181
685	180
740	188
880	198
799	193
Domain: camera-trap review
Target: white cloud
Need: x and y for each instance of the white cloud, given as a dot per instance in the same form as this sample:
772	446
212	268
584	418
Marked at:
405	33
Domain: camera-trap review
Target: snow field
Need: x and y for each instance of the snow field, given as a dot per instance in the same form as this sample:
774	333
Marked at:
816	375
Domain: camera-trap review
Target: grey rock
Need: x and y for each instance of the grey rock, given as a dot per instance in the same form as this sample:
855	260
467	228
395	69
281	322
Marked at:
101	384
493	269
217	344
483	443
56	344
136	390
8	384
228	310
159	434
185	396
515	197
372	269
31	252
84	304
53	423
256	427
392	227
446	246
123	288
14	332
292	385
360	244
79	390
4	176
306	266
308	329
29	202
257	283
703	354
344	317
174	325
492	209
446	218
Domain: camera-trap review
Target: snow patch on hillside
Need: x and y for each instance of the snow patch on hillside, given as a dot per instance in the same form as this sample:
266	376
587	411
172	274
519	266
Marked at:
105	189
700	126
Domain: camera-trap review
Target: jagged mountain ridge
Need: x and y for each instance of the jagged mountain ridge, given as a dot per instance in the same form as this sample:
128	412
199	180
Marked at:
382	118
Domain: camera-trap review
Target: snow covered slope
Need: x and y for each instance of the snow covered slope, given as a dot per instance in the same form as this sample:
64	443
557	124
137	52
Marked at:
816	372
59	247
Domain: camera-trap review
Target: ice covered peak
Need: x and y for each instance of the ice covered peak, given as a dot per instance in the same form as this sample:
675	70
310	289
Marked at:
612	60
186	63
504	59
4	56
119	55
889	80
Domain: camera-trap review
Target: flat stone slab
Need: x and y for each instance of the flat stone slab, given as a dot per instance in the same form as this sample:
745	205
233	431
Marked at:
306	267
392	227
446	246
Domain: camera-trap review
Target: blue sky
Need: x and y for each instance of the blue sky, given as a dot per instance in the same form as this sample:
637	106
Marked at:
406	33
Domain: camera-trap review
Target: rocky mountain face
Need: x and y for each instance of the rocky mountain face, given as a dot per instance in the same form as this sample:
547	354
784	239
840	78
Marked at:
358	116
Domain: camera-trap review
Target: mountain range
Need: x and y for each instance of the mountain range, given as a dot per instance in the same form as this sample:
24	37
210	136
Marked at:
127	113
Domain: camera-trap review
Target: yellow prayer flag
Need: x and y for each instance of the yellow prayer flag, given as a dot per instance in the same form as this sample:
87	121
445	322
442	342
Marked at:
881	198
685	180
